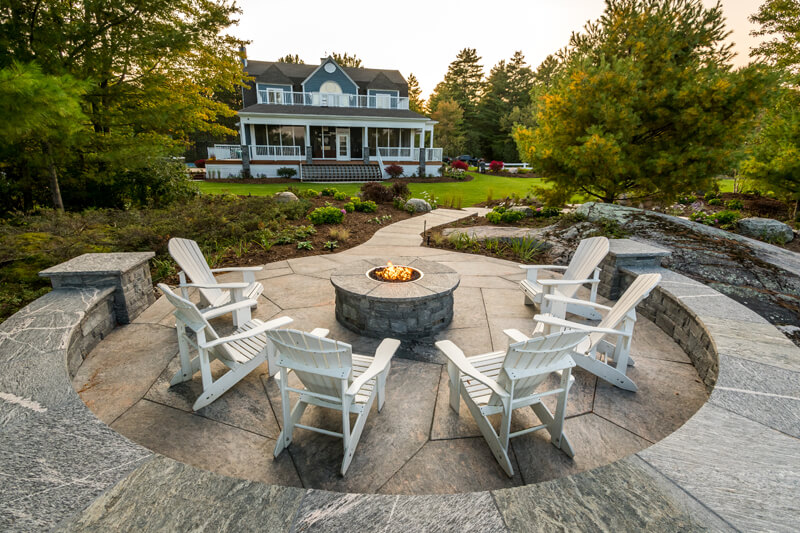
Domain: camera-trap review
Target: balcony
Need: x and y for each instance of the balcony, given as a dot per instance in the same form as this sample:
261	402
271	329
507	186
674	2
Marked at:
375	101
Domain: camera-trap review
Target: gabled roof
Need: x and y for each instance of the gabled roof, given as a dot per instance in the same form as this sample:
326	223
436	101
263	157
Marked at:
381	82
328	59
273	74
297	74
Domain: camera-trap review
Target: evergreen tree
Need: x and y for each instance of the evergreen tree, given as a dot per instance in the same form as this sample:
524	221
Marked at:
463	84
449	129
346	60
415	102
291	58
645	102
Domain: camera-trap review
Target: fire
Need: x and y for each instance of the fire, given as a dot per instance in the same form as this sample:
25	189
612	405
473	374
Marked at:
394	273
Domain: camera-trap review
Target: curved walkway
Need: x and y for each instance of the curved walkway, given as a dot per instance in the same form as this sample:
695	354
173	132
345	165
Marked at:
732	466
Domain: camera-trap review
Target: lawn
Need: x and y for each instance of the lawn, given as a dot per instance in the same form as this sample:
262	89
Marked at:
469	192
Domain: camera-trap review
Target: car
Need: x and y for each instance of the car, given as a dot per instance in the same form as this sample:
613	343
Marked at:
468	159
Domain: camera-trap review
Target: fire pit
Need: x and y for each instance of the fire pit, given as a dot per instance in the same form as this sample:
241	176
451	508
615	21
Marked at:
411	299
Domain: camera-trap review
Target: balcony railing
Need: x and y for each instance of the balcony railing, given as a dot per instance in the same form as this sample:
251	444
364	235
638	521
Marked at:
409	154
225	151
275	152
376	101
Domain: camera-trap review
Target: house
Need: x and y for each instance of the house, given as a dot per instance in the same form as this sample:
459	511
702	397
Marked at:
328	122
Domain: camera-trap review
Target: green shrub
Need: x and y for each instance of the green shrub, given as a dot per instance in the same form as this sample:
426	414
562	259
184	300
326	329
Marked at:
546	212
714	201
305	245
340	196
310	193
510	217
710	195
349	207
329	191
734	204
367	207
286	172
326	215
494	217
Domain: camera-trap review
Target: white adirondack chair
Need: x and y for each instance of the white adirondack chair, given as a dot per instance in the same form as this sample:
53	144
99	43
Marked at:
212	293
500	382
242	352
334	377
588	255
610	341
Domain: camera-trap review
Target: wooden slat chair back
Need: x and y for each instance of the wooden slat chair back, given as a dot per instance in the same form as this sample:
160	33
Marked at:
242	352
335	378
582	269
610	341
500	382
587	256
191	260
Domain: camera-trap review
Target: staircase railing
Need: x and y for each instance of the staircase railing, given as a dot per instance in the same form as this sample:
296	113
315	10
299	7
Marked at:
380	164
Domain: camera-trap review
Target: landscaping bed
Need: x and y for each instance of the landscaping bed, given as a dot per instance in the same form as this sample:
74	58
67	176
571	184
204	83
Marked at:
231	230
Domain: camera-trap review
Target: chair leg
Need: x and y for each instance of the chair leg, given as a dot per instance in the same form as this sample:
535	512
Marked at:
604	371
217	388
355	436
381	384
455	386
544	414
290	416
500	453
187	368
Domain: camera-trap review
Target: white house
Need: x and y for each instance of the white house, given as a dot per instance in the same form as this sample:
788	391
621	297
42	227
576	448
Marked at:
328	122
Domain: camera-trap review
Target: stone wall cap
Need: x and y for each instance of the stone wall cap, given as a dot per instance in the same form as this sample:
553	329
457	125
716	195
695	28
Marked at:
631	248
107	263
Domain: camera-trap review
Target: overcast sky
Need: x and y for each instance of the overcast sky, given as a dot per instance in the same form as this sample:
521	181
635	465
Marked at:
423	37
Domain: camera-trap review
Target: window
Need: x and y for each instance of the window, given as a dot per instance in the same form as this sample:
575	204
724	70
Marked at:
330	87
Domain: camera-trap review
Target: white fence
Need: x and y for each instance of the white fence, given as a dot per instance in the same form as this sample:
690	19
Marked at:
379	101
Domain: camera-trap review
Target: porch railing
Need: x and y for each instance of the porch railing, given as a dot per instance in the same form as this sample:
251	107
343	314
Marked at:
409	154
225	151
275	152
377	101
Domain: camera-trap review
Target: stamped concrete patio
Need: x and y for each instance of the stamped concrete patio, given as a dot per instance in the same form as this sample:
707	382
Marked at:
416	445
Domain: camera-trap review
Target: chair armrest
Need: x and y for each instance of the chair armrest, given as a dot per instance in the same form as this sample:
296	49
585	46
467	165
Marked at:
237	285
543	267
457	357
320	332
272	324
516	335
559	322
383	355
575	301
562	281
237	269
214	312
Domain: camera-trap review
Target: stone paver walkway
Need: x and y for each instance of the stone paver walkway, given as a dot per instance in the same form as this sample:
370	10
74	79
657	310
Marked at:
416	445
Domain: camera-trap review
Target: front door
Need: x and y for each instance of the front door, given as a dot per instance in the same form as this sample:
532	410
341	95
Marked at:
343	145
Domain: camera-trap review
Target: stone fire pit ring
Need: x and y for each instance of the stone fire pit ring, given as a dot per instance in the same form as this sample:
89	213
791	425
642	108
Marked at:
407	310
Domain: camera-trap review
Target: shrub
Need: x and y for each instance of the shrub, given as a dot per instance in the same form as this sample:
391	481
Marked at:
330	191
461	165
734	204
709	195
714	201
305	245
340	196
367	207
330	245
546	212
394	171
326	215
511	217
455	173
376	192
286	172
685	200
349	207
401	190
496	166
310	193
200	163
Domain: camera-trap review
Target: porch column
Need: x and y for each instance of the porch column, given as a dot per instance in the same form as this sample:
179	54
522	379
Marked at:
431	145
308	144
365	142
245	149
421	172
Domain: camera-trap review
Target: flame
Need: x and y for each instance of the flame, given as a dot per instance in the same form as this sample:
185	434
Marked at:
394	273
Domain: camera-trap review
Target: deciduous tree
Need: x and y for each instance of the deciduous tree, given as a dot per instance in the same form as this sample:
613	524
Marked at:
448	131
646	103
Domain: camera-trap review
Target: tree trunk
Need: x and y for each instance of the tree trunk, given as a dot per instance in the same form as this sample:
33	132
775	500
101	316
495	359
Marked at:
55	190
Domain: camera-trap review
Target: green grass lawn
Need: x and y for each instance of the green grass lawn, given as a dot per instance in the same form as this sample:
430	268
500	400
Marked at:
469	192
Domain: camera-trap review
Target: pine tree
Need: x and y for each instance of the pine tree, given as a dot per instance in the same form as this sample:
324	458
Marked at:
449	129
346	60
415	102
645	104
291	58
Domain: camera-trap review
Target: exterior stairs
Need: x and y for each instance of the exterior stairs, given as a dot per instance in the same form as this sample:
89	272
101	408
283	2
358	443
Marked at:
340	173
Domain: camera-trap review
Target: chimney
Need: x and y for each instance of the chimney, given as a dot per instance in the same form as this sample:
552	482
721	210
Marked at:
243	51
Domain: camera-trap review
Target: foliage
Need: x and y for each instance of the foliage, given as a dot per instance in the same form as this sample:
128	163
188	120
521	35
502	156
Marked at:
329	191
611	228
330	245
546	212
455	173
287	172
722	219
496	166
643	103
304	245
449	133
526	248
715	201
326	215
340	196
377	192
339	234
365	206
501	214
346	60
310	193
734	204
291	58
200	163
779	19
415	102
460	165
394	171
400	190
152	73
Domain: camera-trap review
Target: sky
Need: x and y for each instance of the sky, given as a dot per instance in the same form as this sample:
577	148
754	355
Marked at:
424	37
